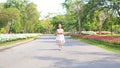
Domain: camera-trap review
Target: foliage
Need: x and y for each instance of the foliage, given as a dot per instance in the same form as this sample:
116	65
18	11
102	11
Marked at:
32	17
7	16
18	16
44	26
90	11
74	9
56	20
81	15
2	30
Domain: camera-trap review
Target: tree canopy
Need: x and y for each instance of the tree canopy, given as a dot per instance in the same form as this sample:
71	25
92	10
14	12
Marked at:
91	15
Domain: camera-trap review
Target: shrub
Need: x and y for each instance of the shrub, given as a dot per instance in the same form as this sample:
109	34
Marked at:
13	37
88	32
2	30
103	32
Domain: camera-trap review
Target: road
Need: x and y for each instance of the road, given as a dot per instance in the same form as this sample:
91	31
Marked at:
43	53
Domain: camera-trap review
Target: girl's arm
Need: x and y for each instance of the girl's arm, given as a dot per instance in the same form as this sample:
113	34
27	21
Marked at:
59	32
63	32
56	32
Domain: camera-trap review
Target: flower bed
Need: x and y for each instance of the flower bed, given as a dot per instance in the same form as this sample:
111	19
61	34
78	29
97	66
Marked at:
109	39
12	37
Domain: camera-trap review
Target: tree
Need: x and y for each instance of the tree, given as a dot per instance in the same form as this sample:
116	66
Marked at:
44	26
1	5
20	5
29	15
89	16
7	16
32	16
73	8
102	18
56	20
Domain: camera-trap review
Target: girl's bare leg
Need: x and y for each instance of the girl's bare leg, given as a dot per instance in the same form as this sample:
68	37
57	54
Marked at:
60	44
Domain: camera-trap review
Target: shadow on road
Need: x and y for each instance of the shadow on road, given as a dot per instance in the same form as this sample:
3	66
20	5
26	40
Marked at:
48	49
68	41
73	63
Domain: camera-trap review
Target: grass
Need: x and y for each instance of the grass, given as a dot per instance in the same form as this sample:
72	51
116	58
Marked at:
101	44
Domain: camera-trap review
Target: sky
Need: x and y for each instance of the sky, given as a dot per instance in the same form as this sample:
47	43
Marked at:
48	6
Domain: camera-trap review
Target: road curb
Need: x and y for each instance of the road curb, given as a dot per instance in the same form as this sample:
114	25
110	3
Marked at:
2	48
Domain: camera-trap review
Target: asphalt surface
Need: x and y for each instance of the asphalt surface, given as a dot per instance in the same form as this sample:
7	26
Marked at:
44	53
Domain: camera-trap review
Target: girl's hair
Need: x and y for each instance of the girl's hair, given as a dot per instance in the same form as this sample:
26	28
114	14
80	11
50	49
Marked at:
59	24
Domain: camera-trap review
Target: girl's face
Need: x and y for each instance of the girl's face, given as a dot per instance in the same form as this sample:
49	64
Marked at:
59	26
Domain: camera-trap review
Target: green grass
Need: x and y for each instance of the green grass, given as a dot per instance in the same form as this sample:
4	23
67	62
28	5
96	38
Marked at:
104	45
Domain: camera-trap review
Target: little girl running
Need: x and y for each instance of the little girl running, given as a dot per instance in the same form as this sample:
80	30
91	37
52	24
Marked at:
60	36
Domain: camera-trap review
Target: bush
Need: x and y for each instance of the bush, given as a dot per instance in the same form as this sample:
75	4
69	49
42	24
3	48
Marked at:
12	37
88	32
103	32
2	30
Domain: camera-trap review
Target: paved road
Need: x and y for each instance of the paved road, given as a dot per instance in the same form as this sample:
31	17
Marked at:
43	53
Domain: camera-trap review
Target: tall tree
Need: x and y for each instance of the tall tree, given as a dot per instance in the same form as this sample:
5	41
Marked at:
7	16
20	5
73	7
28	14
32	17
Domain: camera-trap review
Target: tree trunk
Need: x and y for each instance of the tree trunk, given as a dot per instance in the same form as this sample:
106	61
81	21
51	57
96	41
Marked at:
99	30
7	27
119	13
111	30
79	26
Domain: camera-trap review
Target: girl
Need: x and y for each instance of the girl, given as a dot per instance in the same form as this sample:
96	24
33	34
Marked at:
60	36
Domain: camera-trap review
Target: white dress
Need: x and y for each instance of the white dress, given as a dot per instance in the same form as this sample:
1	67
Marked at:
60	37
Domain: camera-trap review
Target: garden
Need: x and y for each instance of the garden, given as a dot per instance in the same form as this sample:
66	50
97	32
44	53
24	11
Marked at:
111	43
109	39
14	37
